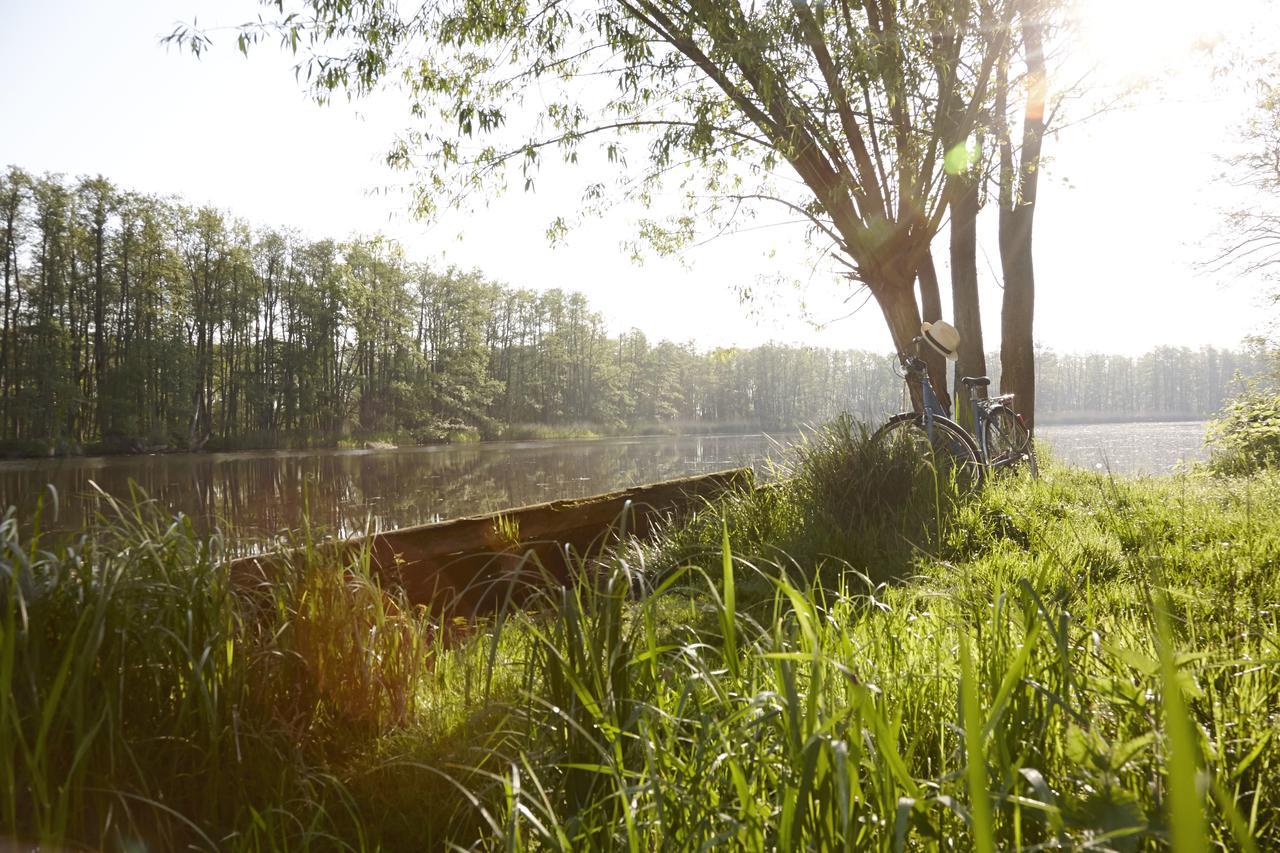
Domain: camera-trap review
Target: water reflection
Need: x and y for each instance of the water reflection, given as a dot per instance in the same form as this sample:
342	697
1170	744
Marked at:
263	493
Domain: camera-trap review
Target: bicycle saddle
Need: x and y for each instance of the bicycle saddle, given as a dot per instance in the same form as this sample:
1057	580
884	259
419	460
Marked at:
976	381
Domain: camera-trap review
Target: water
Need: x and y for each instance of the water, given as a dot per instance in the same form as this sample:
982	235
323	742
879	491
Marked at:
261	492
1127	448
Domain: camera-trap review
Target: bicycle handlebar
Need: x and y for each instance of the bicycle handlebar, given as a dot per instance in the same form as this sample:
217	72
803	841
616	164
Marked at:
913	363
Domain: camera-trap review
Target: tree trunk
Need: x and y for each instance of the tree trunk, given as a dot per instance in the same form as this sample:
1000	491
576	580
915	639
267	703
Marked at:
1017	216
1017	347
897	302
931	311
930	296
970	360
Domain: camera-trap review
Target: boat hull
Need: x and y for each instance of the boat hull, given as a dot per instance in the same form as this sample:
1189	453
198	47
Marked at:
472	564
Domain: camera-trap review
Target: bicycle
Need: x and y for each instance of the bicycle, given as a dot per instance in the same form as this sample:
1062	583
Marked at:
1000	442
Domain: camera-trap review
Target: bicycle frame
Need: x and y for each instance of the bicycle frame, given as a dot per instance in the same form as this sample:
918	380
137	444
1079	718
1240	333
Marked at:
933	409
981	416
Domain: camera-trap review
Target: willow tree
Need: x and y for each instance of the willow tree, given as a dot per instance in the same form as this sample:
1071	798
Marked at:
841	112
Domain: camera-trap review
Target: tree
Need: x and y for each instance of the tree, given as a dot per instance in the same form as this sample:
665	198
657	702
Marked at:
264	339
967	178
96	199
13	190
861	100
1252	244
1019	183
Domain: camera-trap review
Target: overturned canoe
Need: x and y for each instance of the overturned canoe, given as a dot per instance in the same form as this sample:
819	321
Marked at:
470	564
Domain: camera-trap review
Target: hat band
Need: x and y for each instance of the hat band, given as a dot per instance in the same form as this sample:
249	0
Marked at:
937	344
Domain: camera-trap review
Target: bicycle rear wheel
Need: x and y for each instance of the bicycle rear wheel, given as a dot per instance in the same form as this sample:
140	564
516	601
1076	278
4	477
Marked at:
943	443
1009	445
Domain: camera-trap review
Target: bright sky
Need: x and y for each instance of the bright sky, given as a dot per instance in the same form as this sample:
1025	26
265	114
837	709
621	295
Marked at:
1130	201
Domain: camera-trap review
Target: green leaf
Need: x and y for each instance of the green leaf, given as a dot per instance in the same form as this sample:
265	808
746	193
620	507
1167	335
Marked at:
975	754
730	602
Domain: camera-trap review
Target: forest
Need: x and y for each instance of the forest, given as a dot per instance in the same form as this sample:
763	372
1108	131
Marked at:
134	322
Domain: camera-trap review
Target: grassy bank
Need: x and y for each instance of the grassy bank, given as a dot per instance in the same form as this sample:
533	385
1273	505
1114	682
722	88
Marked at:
854	659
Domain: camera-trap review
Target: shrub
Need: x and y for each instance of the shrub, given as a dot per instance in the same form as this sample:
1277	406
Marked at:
1246	438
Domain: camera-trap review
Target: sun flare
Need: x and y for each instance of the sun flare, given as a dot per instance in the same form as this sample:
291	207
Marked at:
1140	40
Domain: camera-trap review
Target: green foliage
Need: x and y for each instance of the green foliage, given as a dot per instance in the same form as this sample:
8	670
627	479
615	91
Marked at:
842	116
1246	436
219	335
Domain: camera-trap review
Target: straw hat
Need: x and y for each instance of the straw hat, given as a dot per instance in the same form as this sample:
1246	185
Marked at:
943	337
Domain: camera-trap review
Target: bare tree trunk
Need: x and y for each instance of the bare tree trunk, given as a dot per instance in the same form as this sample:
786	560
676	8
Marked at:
1017	348
897	302
930	296
971	360
1017	216
931	311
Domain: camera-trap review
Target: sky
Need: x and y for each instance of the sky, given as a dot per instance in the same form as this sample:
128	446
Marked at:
1131	202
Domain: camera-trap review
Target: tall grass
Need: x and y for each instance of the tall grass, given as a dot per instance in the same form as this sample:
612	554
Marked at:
1002	705
143	698
840	502
1073	662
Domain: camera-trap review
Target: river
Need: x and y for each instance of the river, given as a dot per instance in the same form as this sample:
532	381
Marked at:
1145	447
262	493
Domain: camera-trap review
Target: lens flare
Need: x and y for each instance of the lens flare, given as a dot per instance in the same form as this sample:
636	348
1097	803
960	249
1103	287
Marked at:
1135	40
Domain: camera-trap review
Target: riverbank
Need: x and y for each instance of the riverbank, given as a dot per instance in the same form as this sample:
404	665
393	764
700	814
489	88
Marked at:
786	669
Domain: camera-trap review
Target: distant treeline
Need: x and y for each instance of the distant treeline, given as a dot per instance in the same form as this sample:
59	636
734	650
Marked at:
134	322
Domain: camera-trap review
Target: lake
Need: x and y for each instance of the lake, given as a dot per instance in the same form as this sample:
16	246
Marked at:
263	492
1150	447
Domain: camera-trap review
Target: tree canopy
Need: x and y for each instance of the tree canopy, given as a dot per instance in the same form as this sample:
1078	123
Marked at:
848	114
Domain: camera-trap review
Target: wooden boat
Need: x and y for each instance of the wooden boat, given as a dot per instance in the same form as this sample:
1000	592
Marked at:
472	564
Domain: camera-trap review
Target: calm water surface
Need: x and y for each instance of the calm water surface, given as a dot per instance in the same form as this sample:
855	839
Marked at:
1127	448
261	493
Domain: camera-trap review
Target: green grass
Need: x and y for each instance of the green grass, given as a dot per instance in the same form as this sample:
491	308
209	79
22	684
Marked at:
854	659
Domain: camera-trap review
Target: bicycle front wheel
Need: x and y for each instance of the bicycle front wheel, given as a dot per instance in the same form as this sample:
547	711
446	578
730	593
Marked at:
942	442
1009	445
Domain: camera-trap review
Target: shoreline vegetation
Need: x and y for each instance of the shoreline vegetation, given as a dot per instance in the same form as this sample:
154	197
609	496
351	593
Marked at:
138	323
858	657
